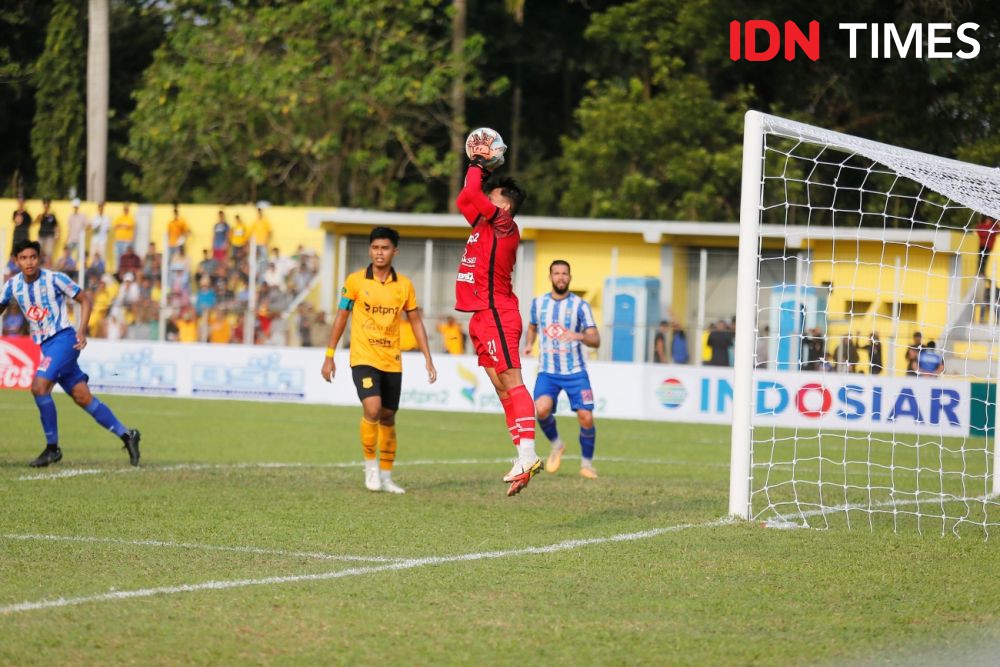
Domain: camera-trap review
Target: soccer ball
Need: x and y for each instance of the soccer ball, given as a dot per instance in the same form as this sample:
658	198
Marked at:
487	143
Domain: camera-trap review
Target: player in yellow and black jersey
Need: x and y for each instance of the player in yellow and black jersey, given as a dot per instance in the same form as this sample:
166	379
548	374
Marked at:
374	298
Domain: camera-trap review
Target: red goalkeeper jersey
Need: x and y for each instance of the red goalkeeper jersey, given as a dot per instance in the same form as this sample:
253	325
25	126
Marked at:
484	279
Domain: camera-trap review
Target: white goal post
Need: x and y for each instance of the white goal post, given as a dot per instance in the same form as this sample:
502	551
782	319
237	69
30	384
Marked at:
850	249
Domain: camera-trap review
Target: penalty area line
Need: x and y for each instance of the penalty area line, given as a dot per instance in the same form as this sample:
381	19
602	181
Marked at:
408	564
77	472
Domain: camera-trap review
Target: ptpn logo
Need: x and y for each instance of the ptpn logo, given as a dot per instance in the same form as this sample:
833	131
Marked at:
761	40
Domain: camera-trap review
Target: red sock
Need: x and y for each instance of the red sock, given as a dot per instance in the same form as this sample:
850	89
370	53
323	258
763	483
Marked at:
524	412
508	411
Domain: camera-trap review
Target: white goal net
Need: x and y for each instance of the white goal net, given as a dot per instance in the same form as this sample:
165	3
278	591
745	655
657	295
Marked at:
865	376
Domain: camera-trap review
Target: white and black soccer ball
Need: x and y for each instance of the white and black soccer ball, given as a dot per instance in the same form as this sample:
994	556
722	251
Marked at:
488	143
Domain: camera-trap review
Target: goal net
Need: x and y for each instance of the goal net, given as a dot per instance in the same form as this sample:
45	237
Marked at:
865	376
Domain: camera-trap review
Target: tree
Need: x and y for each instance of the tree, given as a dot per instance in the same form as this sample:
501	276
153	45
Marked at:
654	140
57	132
137	30
321	101
22	40
659	133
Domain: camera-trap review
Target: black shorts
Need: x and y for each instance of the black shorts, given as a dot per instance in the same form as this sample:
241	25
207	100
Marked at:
370	381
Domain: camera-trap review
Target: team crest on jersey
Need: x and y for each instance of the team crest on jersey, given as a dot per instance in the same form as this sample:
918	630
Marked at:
367	383
555	330
36	313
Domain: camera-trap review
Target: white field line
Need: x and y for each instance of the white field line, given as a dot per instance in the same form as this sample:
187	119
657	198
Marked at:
203	547
408	564
76	472
70	472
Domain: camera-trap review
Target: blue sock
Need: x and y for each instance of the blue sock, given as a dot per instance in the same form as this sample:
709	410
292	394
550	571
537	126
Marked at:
102	415
47	411
587	438
549	427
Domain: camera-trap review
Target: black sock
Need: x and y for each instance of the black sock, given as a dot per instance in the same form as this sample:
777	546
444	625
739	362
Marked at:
52	446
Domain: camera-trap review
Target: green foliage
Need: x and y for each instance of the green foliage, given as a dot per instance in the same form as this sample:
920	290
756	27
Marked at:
60	110
137	30
673	155
319	101
22	37
658	135
623	108
654	140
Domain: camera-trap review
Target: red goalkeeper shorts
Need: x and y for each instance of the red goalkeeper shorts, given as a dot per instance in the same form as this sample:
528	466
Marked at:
496	335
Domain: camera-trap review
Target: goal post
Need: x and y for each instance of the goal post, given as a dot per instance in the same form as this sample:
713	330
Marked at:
860	277
746	311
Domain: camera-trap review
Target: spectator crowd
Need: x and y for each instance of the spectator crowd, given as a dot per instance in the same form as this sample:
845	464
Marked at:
205	300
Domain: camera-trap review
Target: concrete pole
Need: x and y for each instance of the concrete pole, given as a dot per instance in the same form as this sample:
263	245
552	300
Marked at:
458	129
98	76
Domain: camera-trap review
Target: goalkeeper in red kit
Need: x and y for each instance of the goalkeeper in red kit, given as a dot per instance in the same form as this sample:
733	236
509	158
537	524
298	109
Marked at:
483	287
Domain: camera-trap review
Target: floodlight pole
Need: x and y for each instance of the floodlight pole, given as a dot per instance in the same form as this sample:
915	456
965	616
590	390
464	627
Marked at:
746	315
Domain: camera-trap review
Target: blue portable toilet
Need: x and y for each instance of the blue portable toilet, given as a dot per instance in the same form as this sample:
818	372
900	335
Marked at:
634	316
793	309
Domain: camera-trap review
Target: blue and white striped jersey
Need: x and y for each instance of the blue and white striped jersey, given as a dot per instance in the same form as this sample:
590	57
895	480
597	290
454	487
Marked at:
555	317
43	302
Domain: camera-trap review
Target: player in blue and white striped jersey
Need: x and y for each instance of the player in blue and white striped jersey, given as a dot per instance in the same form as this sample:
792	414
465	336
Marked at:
44	298
563	323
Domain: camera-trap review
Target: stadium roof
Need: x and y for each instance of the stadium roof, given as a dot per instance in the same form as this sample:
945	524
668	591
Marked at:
652	231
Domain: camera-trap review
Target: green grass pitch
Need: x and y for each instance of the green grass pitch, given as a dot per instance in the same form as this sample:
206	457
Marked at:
206	556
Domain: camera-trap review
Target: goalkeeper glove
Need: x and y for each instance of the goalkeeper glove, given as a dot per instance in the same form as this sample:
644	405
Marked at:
480	161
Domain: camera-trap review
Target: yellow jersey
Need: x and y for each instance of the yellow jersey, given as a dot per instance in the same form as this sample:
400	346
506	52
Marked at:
187	331
375	307
124	227
261	231
239	235
176	228
219	330
454	338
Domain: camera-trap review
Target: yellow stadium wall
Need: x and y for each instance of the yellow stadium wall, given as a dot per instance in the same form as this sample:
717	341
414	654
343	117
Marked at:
589	255
864	280
289	228
288	224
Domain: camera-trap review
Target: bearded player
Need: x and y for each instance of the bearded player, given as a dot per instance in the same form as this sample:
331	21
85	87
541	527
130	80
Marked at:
483	287
564	323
